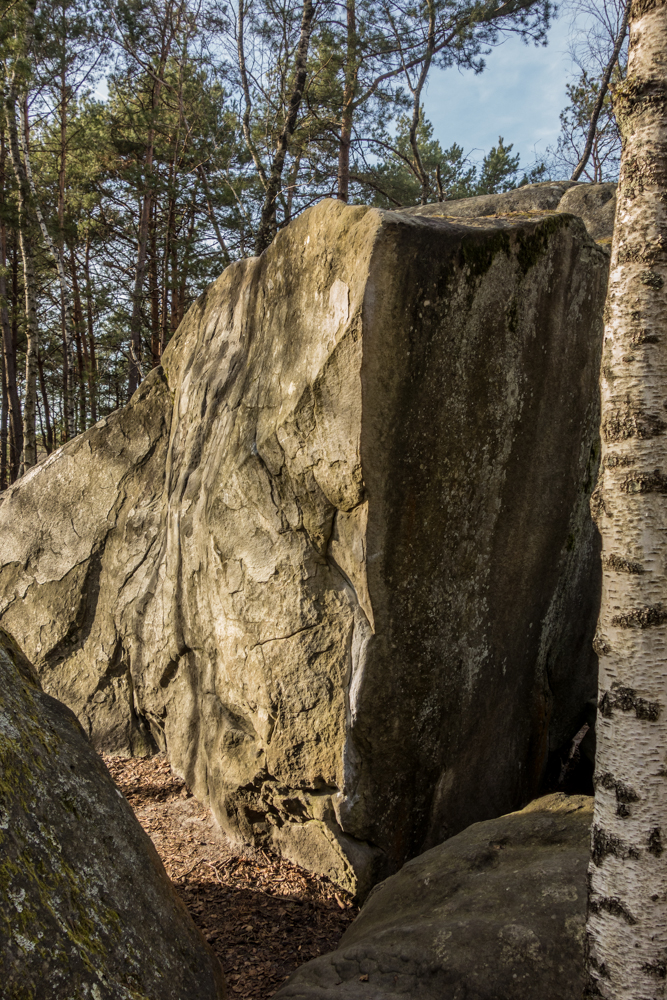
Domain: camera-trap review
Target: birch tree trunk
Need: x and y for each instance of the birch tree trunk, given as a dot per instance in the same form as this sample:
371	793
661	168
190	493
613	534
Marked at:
627	918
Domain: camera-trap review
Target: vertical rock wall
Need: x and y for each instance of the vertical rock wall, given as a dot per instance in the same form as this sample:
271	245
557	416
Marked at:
337	556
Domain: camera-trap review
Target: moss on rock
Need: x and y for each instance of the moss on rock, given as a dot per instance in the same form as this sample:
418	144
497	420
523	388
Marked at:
86	909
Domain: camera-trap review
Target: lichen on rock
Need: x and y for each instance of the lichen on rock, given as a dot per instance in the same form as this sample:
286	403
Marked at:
87	908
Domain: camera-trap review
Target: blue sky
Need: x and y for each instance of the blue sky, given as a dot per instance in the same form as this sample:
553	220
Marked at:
519	95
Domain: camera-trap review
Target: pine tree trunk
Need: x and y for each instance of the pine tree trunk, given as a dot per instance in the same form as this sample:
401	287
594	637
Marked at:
67	320
8	345
627	920
47	433
267	223
29	455
4	421
351	70
92	384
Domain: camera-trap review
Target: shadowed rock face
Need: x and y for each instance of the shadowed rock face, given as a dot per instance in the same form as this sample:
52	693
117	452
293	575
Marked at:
86	908
337	556
497	911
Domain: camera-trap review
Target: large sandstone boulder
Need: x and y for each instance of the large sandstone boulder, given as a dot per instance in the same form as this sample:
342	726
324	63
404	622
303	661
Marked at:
86	908
337	556
496	913
594	203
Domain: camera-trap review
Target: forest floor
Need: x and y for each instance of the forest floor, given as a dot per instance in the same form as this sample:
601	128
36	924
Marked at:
262	916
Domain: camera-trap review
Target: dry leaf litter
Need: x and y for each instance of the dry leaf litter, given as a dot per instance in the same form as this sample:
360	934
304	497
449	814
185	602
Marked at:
261	915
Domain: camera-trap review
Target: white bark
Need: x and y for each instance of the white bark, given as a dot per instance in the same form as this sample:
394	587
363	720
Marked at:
627	922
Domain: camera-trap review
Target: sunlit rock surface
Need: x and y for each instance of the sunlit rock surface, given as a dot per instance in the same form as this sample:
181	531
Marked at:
336	556
595	204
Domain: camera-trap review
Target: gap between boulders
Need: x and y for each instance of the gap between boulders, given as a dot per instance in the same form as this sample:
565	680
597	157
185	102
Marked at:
262	916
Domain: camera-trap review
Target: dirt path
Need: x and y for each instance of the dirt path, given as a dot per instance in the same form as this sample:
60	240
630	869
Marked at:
262	916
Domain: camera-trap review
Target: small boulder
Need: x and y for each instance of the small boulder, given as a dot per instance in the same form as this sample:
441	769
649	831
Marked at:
595	204
496	913
87	909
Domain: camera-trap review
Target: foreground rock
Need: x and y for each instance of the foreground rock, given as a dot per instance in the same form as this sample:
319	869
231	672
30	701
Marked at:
496	913
594	203
86	907
337	558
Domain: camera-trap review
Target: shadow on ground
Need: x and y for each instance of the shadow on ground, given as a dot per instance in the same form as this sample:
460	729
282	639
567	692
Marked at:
261	915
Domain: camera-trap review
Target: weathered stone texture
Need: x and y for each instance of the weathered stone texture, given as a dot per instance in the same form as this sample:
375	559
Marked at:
498	911
350	579
86	908
594	203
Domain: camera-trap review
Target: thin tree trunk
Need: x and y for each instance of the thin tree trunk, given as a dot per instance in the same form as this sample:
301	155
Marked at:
351	71
81	372
29	454
91	335
267	223
168	240
154	295
88	376
66	298
604	87
211	215
418	167
8	344
627	915
247	102
4	421
48	435
136	347
136	350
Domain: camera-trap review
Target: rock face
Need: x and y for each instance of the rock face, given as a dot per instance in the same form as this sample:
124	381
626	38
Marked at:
87	909
337	556
496	913
594	203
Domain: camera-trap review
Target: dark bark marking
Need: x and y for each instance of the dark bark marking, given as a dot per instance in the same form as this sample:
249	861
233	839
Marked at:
613	905
645	482
656	968
652	279
604	844
600	645
598	506
599	967
623	425
642	7
648	710
655	842
621	565
625	795
618	461
640	337
605	705
647	617
623	792
626	700
641	254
